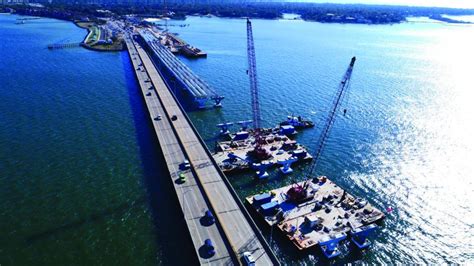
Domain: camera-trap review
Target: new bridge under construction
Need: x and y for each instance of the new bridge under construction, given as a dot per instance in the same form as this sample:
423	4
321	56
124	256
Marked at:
226	233
180	78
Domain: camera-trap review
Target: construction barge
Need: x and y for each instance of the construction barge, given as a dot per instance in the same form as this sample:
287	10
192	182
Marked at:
192	52
297	122
236	155
177	45
317	212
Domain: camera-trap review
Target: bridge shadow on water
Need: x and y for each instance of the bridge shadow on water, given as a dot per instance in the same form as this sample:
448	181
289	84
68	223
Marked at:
117	211
171	234
172	237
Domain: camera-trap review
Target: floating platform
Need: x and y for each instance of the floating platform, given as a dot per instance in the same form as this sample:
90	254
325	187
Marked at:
317	212
177	45
234	156
287	131
297	122
193	52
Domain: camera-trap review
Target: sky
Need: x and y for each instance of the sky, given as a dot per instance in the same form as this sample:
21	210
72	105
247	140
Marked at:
441	3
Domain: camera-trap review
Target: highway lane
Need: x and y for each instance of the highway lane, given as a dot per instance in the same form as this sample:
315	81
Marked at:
189	194
235	225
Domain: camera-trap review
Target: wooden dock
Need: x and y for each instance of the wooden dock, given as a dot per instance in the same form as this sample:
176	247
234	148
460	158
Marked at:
206	187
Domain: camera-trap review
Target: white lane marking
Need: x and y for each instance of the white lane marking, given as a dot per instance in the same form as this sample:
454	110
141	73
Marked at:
173	165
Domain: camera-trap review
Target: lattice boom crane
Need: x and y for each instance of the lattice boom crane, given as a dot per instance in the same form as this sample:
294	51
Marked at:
252	72
341	92
259	152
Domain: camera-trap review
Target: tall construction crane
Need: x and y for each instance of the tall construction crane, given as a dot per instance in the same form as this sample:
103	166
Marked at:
164	15
341	92
252	72
259	152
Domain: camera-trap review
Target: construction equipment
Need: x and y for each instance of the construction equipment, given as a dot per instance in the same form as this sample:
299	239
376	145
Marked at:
286	165
244	124
360	235
225	128
341	92
259	152
329	246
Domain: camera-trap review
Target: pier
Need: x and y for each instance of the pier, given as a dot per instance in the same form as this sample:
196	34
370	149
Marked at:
205	187
171	67
63	45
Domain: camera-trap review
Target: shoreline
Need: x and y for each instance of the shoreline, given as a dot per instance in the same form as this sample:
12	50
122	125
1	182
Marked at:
76	23
91	47
434	21
300	18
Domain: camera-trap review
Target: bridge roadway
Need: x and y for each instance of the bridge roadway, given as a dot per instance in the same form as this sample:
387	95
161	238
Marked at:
189	195
205	188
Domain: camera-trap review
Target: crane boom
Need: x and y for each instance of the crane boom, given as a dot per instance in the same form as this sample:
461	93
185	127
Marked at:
332	114
252	72
259	152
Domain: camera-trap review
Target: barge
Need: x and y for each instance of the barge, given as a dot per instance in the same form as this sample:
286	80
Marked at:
317	212
288	131
297	122
236	155
287	128
191	51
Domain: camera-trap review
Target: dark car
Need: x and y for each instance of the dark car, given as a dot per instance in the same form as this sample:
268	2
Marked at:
209	247
174	118
209	217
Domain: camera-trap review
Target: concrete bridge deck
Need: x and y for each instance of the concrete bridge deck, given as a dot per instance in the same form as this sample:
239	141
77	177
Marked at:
206	187
168	63
189	195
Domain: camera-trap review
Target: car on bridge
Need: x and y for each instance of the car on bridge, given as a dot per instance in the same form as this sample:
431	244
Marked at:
185	165
248	259
210	250
182	178
209	217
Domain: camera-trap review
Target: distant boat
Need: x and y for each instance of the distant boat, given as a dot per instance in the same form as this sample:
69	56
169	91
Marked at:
297	122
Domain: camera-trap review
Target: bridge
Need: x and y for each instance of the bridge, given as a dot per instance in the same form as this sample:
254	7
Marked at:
171	67
206	187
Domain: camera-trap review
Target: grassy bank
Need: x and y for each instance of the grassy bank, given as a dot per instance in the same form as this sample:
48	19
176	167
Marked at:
91	41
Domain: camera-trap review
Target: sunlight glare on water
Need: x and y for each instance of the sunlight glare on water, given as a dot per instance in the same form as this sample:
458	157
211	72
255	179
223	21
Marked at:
423	162
406	143
84	182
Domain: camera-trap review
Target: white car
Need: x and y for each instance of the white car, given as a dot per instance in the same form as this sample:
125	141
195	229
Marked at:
248	258
186	164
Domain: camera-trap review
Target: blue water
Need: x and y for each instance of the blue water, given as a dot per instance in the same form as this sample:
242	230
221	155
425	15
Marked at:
80	175
79	178
406	141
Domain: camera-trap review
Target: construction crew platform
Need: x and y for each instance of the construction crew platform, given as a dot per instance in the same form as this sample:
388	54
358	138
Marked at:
205	187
